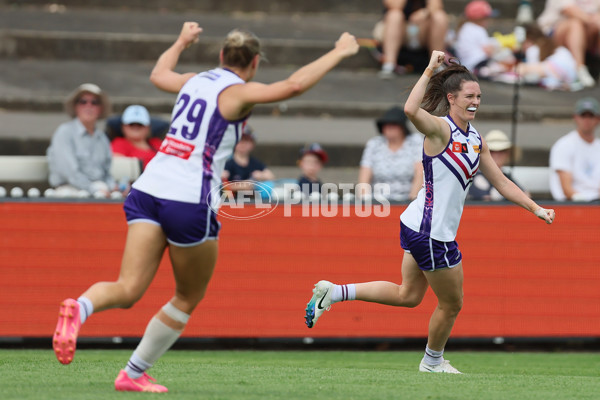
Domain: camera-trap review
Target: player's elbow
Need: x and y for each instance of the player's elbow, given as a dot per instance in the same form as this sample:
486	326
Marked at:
295	88
410	110
156	78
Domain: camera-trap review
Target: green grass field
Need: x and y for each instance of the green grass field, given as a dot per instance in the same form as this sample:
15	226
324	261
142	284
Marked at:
287	375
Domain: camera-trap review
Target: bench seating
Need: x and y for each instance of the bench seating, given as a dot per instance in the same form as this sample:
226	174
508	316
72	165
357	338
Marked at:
27	169
24	169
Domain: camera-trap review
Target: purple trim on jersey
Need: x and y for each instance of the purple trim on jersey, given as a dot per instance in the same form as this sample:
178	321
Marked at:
469	173
425	227
466	157
217	126
471	164
215	132
458	128
430	254
455	172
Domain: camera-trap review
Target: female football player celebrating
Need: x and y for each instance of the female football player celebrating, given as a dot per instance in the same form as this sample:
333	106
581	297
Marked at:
453	151
172	203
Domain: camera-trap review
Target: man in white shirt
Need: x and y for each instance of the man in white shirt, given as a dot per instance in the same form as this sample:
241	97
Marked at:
575	157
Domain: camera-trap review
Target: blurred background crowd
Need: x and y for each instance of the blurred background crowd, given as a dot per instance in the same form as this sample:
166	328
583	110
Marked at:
537	61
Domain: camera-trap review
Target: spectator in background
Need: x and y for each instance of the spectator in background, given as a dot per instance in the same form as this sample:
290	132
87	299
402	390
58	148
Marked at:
550	66
311	161
136	141
415	24
575	157
500	149
574	24
475	48
392	158
79	156
241	169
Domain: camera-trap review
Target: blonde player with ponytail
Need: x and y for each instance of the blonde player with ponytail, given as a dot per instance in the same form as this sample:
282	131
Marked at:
171	205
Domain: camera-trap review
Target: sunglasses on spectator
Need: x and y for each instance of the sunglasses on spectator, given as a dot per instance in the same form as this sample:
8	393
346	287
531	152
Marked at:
94	102
135	125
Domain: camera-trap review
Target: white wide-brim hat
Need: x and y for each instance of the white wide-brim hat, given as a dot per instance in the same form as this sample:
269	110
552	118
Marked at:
87	88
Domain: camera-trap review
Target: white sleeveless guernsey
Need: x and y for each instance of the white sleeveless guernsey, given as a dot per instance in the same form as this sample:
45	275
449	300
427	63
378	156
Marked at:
439	205
199	142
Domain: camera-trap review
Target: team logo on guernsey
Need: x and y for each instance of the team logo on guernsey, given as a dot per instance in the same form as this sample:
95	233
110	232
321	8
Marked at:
459	147
460	162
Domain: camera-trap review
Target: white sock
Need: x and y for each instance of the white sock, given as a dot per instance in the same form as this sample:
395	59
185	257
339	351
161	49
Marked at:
86	308
136	366
388	66
343	293
157	339
433	357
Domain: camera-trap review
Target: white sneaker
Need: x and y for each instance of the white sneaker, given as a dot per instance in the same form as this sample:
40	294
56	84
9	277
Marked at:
444	367
319	302
584	77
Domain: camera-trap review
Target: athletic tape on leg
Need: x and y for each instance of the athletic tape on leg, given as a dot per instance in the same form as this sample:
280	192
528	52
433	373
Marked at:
175	313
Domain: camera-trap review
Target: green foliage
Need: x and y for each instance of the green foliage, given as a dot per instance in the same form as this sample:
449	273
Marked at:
288	375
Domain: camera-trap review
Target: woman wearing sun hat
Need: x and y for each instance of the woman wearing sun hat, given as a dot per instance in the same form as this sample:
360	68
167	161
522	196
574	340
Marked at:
392	158
501	150
79	156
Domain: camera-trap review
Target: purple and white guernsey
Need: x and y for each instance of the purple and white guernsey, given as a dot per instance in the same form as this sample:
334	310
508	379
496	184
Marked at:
439	205
199	142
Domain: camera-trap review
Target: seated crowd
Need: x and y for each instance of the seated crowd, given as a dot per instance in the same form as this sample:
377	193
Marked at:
80	155
549	51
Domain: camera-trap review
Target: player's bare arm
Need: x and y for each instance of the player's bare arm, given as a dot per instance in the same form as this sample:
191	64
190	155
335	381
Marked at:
435	129
237	101
508	189
163	75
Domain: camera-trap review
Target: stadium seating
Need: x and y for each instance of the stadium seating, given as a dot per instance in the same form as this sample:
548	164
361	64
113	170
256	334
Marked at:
35	168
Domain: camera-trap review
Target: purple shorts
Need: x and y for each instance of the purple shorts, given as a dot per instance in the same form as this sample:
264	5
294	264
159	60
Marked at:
184	224
429	253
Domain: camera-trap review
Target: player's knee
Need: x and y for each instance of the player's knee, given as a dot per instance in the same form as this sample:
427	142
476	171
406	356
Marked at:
452	308
190	299
129	296
413	302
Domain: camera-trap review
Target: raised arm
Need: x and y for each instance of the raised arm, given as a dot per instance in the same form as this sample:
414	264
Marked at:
238	99
432	127
163	75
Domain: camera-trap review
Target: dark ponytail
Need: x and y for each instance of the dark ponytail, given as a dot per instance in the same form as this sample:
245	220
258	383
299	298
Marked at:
449	80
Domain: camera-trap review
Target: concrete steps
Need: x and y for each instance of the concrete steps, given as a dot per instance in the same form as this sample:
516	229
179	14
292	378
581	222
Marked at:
47	50
45	54
42	85
507	8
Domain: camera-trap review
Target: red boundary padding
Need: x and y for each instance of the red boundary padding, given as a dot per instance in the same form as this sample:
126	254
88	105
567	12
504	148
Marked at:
522	277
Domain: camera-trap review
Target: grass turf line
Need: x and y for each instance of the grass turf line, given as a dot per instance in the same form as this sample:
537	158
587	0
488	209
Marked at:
287	375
